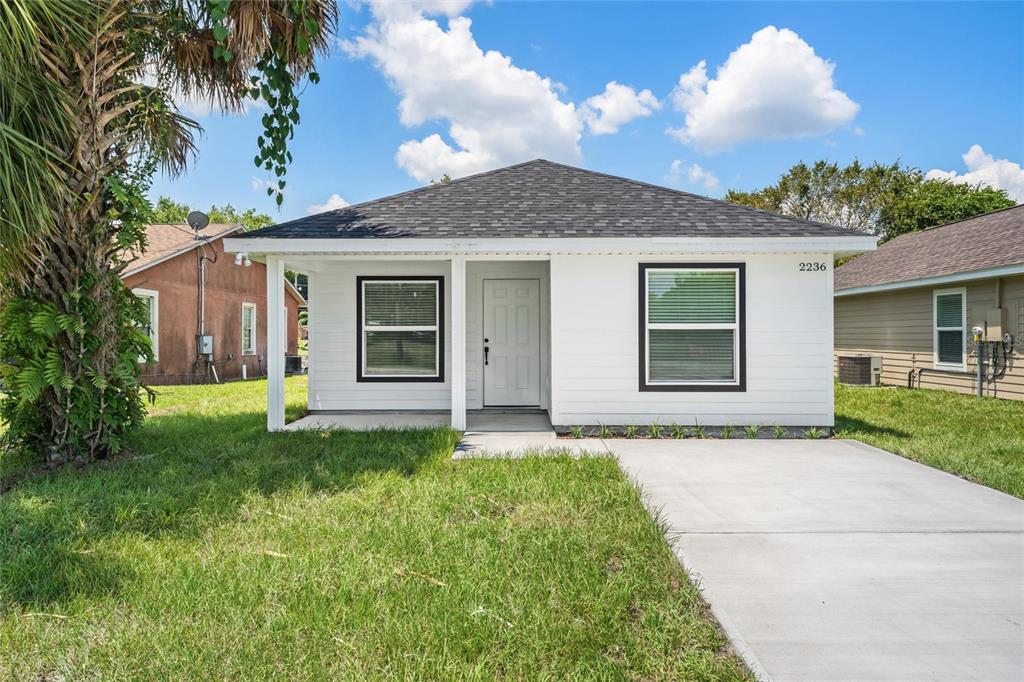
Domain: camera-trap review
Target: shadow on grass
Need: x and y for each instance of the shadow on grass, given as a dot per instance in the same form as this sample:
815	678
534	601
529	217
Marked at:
853	426
191	472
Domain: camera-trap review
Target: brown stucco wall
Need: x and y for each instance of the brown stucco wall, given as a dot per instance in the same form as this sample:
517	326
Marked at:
227	287
898	326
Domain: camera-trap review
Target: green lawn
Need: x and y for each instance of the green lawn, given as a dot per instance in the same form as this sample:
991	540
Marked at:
221	552
980	439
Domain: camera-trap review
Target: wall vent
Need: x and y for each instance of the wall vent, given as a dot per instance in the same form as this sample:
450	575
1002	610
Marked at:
860	370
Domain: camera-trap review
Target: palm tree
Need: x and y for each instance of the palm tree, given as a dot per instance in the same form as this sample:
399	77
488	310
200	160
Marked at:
87	114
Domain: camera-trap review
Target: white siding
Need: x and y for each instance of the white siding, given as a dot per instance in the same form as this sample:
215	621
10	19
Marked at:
589	322
332	342
332	333
595	346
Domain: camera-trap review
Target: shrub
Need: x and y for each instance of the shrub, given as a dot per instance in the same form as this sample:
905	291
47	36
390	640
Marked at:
727	431
752	430
654	430
632	431
576	431
779	431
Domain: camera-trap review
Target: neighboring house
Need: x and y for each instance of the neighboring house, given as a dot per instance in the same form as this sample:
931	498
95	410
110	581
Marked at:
915	301
233	300
598	299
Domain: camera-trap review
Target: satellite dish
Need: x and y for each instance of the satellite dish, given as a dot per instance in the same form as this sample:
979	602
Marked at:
197	220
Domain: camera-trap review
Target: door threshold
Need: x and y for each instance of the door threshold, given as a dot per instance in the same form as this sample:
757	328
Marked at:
510	408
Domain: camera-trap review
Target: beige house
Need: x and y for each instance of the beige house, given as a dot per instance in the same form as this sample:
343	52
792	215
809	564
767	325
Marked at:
915	302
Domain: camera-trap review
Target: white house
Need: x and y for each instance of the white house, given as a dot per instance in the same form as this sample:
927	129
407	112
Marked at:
597	299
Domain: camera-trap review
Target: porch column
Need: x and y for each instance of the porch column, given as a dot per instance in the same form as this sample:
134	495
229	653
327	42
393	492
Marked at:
458	288
275	347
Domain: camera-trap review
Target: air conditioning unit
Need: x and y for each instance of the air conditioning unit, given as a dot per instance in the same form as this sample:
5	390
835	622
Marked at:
860	370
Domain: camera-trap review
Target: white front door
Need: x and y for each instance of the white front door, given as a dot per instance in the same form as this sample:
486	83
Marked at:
511	342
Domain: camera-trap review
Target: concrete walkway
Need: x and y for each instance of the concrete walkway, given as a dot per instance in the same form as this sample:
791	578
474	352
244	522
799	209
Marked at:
832	560
509	434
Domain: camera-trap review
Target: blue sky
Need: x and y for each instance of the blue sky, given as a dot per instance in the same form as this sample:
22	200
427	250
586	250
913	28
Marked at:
927	83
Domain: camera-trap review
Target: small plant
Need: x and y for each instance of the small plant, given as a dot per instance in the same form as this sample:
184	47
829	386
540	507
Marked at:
698	430
632	431
605	431
752	430
679	431
813	433
778	431
654	430
727	431
576	431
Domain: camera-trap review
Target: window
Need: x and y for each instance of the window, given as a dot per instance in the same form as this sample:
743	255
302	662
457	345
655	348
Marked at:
950	340
248	329
400	336
152	300
692	327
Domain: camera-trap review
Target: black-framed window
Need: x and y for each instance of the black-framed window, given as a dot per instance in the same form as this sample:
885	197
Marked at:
400	328
692	327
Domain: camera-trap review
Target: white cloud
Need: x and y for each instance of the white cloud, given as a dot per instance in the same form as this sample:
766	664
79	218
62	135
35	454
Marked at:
773	87
193	105
261	185
617	105
497	113
334	202
985	169
695	174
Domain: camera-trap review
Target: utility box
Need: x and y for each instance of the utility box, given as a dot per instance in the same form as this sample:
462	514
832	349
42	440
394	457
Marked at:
205	344
995	322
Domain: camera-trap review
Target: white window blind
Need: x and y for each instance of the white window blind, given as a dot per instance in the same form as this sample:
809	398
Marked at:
400	328
692	326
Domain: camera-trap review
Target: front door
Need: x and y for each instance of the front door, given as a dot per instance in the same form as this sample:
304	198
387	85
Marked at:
511	342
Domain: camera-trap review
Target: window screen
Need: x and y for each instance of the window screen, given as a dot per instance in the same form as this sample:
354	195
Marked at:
400	329
692	326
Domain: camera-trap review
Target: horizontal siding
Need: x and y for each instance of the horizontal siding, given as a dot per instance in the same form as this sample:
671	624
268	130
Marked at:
898	326
332	342
333	329
595	347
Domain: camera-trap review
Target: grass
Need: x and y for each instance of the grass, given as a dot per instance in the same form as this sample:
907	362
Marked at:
980	439
219	551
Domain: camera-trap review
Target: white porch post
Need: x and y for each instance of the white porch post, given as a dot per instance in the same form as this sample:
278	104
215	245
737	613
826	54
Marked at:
458	287
275	347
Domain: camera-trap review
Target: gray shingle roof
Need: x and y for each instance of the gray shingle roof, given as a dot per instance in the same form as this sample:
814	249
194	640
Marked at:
540	199
987	241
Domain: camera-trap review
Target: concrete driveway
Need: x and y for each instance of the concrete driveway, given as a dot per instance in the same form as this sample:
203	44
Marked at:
832	560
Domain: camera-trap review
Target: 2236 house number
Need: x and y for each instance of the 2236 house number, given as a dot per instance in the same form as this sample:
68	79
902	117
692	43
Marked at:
813	267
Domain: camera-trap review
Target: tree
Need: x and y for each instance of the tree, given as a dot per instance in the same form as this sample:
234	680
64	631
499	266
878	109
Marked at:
169	211
87	115
937	202
884	200
854	196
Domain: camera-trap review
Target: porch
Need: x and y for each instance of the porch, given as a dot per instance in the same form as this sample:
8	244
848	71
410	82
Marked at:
412	341
477	421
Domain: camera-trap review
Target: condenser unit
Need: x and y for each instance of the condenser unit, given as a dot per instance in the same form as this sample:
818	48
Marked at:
860	370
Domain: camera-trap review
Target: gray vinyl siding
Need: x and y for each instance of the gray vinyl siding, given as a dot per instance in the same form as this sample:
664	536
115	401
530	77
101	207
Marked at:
898	326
